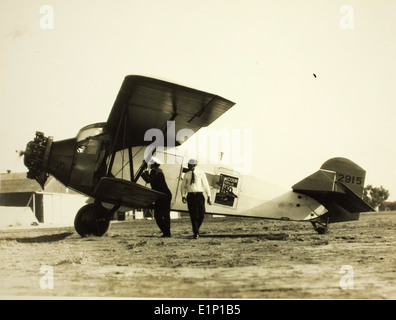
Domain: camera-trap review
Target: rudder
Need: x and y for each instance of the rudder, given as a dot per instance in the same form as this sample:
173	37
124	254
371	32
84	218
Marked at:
348	173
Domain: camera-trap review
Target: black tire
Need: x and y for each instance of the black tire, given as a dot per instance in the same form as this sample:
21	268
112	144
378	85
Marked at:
92	219
321	230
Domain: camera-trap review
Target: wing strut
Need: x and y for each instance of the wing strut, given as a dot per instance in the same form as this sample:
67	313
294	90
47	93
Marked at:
115	138
142	168
130	162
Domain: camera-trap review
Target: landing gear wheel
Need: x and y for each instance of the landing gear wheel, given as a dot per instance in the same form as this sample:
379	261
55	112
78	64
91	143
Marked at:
320	229
92	219
321	225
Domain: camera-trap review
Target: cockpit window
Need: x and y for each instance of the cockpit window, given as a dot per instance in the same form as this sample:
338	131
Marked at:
90	131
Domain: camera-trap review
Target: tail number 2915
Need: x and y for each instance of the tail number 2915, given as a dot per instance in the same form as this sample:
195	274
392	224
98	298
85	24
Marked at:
349	179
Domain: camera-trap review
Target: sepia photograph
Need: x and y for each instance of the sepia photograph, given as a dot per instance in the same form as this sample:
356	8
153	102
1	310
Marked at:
197	154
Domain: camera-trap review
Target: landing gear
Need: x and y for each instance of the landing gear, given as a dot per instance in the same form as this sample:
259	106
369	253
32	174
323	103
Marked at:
321	224
92	219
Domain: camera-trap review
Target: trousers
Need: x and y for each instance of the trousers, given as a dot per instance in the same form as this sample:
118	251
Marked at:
162	215
196	207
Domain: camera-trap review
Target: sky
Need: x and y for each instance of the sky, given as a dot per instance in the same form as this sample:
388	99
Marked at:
311	80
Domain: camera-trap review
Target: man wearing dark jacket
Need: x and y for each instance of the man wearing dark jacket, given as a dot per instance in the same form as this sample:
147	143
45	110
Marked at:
162	207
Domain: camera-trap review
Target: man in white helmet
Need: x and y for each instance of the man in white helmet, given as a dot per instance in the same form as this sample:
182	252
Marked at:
162	207
194	185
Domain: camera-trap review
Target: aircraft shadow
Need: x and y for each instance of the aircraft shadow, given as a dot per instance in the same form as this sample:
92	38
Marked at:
43	239
244	235
260	236
270	236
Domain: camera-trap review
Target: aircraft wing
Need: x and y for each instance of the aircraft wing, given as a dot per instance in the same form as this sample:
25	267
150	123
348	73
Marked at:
145	103
128	193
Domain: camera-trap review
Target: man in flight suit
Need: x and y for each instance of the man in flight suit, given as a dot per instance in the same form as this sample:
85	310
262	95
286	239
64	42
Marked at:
193	186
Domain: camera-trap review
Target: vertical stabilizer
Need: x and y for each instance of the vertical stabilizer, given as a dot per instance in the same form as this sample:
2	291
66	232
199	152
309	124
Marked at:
348	173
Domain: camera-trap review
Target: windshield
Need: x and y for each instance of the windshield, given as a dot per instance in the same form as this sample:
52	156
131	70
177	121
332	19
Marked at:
91	131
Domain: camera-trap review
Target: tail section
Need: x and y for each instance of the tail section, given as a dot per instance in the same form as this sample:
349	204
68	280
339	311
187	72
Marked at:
338	186
347	173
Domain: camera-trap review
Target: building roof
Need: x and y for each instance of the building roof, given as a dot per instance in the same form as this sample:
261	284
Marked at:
18	183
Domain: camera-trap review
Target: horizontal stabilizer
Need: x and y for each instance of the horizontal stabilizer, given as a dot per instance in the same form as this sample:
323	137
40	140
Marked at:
353	202
321	180
344	205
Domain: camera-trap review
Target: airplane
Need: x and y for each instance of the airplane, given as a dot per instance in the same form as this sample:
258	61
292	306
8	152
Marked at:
105	162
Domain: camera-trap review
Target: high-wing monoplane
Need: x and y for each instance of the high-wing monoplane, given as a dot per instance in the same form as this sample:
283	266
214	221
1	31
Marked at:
102	162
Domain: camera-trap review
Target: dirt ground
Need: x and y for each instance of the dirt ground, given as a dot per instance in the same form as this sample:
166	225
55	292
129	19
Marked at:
234	258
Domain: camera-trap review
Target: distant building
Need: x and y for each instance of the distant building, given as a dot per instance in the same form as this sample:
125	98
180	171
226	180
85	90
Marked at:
55	205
